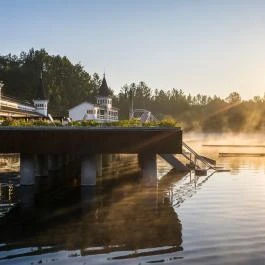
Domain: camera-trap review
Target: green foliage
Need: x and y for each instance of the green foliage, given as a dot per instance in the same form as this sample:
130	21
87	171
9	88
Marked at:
123	123
126	123
168	122
84	124
69	84
28	123
233	98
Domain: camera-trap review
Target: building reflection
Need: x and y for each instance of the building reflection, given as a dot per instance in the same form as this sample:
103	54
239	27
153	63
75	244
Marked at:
121	214
127	216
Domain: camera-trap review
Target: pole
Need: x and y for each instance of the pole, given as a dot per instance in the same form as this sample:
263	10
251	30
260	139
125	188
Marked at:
1	86
131	104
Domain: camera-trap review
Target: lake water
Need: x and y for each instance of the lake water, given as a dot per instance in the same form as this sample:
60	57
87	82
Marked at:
213	219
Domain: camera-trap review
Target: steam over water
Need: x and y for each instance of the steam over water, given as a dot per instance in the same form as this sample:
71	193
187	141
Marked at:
213	219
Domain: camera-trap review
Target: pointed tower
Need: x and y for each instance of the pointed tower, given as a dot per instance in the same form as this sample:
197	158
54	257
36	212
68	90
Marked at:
104	95
41	100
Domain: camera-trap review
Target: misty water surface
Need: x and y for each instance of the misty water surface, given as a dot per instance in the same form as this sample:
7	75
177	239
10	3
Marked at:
213	219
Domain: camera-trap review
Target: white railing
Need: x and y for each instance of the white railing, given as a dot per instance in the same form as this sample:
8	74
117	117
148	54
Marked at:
107	118
13	105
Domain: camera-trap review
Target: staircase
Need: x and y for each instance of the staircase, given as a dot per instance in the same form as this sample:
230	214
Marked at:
193	159
188	152
174	162
146	116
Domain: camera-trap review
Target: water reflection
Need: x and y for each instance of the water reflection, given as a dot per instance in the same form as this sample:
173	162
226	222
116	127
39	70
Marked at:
127	217
8	196
214	219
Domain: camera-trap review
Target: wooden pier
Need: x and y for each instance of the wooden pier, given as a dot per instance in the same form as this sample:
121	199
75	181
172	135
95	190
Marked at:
42	147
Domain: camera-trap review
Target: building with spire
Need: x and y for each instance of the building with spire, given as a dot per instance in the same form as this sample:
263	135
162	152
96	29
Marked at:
102	111
12	107
41	99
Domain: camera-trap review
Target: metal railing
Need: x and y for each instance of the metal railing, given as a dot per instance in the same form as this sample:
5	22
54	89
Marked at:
206	161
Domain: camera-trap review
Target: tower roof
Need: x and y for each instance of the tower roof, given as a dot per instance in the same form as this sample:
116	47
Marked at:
104	91
41	93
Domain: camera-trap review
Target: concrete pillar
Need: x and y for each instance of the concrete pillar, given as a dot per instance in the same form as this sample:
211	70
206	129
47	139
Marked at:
148	168
88	170
41	165
99	165
27	174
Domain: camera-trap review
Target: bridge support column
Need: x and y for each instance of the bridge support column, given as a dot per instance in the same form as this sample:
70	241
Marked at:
41	168
148	168
88	170
27	172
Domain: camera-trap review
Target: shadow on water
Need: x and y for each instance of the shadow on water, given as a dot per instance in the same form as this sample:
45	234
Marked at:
118	216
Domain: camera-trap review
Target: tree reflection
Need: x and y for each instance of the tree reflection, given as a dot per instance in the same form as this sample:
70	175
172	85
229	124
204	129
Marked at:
125	217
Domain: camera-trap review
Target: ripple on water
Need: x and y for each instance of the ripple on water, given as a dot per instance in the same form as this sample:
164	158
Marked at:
218	219
224	222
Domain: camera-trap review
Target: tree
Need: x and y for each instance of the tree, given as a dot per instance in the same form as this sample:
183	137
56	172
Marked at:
233	97
67	84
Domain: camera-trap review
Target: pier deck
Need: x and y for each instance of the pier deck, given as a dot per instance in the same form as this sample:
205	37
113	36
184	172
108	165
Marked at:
42	148
82	140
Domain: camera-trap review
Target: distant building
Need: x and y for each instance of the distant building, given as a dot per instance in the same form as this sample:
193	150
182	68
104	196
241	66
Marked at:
41	99
12	107
100	112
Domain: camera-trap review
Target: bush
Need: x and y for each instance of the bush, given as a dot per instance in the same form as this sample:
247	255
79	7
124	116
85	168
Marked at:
127	123
25	123
169	122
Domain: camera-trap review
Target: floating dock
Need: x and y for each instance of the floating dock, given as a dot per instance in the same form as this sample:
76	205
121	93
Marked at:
241	154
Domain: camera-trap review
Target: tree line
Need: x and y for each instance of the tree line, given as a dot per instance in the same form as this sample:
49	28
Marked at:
69	84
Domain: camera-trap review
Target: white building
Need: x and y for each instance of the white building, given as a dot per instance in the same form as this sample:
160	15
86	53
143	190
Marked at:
100	112
41	99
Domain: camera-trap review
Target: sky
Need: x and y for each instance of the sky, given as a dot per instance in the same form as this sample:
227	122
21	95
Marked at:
210	47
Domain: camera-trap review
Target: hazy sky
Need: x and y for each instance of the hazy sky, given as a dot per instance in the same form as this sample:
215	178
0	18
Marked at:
210	47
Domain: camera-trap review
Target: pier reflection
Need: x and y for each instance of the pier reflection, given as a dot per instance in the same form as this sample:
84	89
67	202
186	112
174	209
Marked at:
123	217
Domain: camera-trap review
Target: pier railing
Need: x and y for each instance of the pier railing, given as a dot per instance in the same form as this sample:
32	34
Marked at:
208	162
